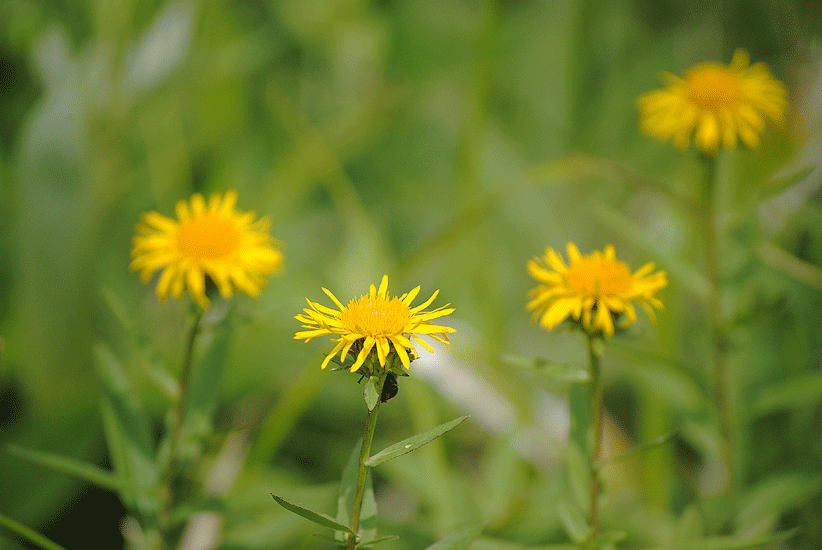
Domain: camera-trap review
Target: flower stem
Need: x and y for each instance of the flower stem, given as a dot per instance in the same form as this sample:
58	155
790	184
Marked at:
362	472
179	412
719	333
596	419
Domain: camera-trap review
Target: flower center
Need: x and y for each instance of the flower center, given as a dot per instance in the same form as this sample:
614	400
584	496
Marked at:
207	237
713	87
598	276
375	316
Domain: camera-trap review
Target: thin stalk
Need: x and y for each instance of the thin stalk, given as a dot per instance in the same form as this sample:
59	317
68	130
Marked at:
362	472
719	333
179	411
596	419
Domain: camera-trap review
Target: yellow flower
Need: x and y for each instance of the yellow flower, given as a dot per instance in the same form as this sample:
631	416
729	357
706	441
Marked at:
374	320
596	289
210	239
715	103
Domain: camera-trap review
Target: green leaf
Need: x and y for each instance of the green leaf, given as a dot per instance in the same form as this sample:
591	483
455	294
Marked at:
317	517
777	495
730	543
67	465
579	475
370	392
797	392
572	519
345	501
459	539
413	442
129	439
29	534
550	369
782	182
637	449
376	541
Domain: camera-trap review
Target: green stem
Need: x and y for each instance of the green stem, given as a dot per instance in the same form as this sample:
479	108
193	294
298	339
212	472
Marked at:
179	412
362	472
719	332
596	419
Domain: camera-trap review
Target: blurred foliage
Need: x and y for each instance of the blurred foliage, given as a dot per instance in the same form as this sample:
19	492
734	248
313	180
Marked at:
443	142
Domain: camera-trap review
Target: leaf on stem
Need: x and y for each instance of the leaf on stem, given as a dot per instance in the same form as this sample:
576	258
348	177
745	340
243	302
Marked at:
637	449
370	392
317	517
413	442
368	543
28	534
66	465
459	539
348	491
574	522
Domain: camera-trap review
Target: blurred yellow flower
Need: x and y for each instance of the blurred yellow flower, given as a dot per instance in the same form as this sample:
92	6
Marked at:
596	290
375	320
213	240
715	103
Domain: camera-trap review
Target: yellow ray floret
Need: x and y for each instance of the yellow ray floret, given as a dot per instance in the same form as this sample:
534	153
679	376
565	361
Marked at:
207	239
595	290
715	103
374	321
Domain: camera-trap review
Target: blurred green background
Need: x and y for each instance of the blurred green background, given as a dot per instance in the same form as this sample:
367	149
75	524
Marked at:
442	142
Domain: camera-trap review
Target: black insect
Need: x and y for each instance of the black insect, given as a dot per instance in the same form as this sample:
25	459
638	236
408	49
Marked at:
389	388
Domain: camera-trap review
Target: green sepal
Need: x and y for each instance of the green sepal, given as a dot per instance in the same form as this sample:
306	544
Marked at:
412	443
459	539
317	517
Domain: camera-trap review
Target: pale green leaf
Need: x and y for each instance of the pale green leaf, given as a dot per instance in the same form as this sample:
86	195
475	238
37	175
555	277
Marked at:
367	543
799	392
413	442
637	449
573	521
459	539
317	517
777	495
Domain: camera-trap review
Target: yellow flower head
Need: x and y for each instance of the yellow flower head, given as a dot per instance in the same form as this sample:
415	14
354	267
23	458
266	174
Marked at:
595	289
715	103
374	320
210	239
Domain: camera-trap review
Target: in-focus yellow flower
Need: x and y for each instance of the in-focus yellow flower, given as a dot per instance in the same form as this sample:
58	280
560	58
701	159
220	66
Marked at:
212	239
714	102
374	320
596	290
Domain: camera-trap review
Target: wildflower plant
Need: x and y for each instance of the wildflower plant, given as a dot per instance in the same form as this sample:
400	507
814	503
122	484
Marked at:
595	293
374	339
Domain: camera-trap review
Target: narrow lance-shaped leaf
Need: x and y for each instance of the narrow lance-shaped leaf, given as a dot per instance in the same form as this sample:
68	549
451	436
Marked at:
413	442
459	539
28	534
67	465
317	517
638	449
